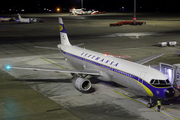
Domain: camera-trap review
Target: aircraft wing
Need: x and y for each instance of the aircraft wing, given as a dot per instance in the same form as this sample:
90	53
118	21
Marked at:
145	60
89	72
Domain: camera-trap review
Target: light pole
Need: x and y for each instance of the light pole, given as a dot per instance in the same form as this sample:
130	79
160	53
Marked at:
134	12
81	3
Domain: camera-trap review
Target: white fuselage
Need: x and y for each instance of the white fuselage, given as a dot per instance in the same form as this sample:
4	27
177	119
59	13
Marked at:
6	19
27	20
24	20
129	74
81	12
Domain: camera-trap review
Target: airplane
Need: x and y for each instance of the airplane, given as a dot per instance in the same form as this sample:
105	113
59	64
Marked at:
131	35
82	12
134	75
26	20
5	19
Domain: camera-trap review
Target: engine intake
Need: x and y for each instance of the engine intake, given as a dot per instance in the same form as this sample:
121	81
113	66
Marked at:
81	84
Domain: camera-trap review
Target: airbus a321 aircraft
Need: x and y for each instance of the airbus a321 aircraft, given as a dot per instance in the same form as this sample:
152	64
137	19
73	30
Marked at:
134	75
26	20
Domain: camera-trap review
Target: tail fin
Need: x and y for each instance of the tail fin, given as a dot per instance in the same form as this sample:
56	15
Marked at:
63	34
19	16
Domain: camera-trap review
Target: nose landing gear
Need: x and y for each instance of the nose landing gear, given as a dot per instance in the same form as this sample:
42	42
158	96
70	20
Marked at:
150	104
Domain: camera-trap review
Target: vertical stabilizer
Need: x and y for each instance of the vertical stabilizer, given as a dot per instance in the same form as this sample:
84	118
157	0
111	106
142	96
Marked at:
19	16
63	34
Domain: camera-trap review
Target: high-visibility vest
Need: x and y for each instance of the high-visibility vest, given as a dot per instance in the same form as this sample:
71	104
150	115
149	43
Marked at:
158	102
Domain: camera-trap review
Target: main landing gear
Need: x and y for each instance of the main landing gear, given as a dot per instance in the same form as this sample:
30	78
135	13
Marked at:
79	75
150	104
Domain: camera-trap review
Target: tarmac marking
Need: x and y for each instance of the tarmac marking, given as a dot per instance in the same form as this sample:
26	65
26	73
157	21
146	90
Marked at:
118	92
144	104
53	110
1	103
52	63
165	108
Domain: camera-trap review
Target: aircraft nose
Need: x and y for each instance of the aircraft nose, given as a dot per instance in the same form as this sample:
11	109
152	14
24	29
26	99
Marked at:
169	93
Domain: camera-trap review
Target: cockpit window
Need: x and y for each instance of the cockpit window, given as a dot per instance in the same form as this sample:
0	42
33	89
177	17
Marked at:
160	83
152	81
167	81
156	82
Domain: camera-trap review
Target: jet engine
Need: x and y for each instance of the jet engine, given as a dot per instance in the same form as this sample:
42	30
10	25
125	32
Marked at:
81	84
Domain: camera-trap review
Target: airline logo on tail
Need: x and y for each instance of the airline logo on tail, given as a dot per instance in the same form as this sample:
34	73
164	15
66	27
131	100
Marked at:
61	28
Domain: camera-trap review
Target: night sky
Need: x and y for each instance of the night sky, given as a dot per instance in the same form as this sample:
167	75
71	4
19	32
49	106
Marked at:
13	6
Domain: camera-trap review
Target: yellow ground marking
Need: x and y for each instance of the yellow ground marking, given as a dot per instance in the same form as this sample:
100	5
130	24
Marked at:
144	104
52	63
116	92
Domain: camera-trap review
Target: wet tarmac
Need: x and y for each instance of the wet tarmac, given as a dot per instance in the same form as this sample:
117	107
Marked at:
41	95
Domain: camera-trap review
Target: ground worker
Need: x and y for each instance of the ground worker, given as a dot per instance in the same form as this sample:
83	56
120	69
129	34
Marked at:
159	105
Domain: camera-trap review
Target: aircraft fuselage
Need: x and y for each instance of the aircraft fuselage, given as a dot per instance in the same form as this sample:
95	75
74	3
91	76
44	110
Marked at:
126	73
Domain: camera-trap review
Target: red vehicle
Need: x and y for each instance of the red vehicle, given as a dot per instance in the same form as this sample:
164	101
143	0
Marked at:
116	24
120	23
101	12
137	23
41	20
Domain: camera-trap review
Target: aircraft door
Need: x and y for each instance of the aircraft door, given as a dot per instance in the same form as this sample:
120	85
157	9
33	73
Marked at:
140	80
84	63
111	73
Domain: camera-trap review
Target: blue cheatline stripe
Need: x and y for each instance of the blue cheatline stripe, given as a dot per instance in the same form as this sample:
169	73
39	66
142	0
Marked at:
161	90
62	28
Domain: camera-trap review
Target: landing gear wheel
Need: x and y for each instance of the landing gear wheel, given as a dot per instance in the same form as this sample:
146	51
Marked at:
149	105
152	105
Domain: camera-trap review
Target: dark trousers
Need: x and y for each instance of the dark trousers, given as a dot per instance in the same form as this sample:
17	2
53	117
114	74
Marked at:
159	107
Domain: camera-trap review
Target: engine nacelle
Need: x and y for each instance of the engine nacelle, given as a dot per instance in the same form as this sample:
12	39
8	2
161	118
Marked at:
81	84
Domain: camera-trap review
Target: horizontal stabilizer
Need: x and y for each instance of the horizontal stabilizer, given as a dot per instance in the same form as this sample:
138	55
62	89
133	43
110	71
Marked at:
47	48
80	44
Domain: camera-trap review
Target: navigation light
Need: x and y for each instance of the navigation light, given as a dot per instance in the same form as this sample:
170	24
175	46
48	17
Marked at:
8	67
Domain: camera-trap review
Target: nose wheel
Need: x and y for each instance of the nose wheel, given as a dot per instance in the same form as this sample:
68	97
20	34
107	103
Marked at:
150	104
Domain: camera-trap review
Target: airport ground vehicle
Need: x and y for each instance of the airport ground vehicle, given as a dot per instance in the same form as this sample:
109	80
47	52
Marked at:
170	44
41	20
120	23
